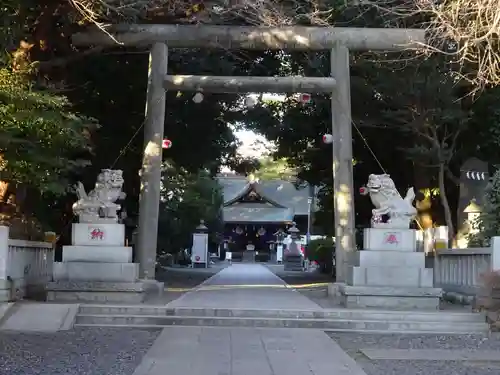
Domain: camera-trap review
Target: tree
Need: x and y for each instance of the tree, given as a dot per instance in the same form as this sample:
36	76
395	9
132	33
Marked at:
186	199
42	144
465	30
487	224
271	169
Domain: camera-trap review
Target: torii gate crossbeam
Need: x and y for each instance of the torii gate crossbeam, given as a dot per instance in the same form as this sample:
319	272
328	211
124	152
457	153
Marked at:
338	40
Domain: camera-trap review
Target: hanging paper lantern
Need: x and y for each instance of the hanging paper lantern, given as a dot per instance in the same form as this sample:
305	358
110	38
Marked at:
250	102
239	231
363	190
198	98
305	98
327	138
166	143
261	231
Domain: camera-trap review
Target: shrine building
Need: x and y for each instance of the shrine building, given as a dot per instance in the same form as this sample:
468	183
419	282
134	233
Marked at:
257	214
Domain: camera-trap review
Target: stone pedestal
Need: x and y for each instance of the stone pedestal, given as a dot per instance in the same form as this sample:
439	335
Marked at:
97	267
389	273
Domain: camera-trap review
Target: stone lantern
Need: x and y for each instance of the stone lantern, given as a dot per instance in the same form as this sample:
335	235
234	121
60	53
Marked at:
293	259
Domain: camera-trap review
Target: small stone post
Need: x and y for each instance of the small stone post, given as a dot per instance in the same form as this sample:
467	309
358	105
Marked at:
199	251
4	263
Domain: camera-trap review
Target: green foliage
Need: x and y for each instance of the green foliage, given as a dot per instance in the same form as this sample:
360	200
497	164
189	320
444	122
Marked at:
186	199
321	251
487	223
41	140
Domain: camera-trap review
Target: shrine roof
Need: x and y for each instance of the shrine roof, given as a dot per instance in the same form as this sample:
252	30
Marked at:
251	213
282	192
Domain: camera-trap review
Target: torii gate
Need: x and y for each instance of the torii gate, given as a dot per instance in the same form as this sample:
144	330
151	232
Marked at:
338	40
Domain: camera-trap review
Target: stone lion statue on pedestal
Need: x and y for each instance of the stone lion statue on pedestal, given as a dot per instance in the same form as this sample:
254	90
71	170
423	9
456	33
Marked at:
99	204
387	201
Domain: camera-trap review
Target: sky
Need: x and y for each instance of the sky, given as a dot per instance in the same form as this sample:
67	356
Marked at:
255	145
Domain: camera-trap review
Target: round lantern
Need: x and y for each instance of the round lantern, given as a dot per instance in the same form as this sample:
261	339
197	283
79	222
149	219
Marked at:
198	98
305	98
363	190
166	144
250	102
327	139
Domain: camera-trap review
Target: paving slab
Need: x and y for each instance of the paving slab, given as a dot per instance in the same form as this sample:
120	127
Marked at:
245	286
40	317
432	354
245	351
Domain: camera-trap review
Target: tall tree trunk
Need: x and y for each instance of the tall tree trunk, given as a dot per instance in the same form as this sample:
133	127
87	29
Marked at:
446	206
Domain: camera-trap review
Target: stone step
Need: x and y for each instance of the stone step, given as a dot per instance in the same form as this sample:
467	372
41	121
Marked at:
323	324
355	314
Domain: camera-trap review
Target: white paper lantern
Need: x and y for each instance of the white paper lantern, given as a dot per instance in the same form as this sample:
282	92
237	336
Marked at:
198	98
250	102
327	139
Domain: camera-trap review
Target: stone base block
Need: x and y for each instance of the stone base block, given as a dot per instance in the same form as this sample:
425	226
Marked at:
390	276
4	295
397	298
103	272
85	291
98	234
390	239
378	258
106	254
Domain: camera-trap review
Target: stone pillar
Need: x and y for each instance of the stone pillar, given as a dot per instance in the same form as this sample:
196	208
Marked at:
4	263
495	254
342	160
151	162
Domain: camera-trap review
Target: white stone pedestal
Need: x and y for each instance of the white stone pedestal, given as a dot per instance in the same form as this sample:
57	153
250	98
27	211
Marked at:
389	273
98	268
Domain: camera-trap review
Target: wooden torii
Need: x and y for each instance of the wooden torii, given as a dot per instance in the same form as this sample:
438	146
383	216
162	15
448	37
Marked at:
338	40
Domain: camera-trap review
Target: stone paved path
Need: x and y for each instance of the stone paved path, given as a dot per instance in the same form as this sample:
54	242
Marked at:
245	286
245	351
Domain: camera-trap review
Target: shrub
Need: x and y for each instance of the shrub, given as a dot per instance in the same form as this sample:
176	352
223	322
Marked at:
321	251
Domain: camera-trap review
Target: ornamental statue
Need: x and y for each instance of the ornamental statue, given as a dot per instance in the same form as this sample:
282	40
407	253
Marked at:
98	205
388	201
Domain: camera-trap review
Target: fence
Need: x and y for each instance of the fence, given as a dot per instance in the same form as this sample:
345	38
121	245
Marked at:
25	266
460	270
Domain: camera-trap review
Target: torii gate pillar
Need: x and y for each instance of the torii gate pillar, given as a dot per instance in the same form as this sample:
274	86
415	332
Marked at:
149	204
343	200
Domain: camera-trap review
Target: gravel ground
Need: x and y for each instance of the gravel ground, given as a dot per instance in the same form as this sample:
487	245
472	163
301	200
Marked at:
89	351
352	343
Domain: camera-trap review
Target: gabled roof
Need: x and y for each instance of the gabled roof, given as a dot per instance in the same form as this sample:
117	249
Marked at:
256	213
282	194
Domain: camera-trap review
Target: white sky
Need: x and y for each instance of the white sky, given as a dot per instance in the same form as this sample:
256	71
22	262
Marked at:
256	145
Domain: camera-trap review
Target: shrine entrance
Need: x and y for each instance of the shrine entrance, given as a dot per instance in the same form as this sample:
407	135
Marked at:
337	40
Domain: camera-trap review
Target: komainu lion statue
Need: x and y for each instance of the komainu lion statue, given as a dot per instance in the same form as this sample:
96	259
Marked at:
388	201
98	205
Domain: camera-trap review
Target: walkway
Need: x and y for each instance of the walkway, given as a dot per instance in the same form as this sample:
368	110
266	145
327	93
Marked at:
245	286
245	351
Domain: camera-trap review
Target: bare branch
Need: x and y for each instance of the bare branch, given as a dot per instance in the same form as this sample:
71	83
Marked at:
466	30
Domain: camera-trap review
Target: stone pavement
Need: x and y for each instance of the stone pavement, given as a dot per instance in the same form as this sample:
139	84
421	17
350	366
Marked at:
245	351
245	286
